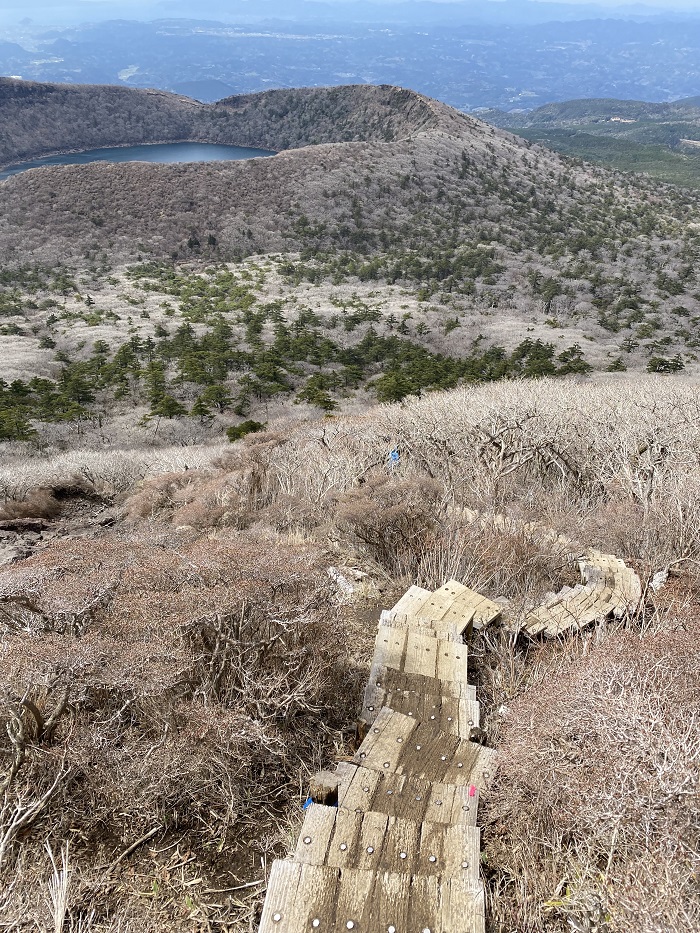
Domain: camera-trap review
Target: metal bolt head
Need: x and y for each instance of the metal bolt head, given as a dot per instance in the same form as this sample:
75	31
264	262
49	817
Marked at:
307	840
316	923
403	855
343	846
350	925
277	917
370	849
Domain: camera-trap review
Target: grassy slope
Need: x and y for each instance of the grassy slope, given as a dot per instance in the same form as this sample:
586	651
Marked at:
236	553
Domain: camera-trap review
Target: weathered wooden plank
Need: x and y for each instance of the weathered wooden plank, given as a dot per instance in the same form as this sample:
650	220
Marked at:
412	601
342	850
440	805
461	847
432	843
450	631
464	805
476	761
390	647
315	900
372	837
402	797
449	714
355	901
462	906
406	747
475	607
315	835
425	903
421	654
452	662
442	600
429	753
361	790
383	748
367	902
407	797
278	909
393	681
402	846
340	838
392	902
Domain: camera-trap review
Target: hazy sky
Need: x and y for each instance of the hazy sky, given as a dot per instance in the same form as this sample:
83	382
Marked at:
194	8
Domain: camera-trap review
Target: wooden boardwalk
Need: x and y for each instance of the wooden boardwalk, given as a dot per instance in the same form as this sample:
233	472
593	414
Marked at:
609	588
390	844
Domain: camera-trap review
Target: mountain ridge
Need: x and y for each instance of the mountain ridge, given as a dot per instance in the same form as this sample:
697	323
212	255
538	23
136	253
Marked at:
40	119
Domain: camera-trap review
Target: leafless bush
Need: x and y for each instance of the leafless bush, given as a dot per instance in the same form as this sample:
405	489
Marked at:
40	503
182	706
394	518
593	821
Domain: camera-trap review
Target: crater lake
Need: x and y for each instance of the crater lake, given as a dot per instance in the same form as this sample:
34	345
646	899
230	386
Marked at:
157	152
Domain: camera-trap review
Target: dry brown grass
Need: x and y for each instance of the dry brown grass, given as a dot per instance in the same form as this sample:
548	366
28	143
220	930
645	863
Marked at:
162	686
593	820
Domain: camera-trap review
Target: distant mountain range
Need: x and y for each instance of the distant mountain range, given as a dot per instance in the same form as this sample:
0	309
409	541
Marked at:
413	12
450	52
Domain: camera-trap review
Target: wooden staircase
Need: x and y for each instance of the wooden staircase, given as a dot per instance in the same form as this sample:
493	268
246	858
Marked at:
390	844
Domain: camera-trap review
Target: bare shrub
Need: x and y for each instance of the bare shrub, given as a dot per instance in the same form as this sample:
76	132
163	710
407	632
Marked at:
393	518
40	503
593	820
181	705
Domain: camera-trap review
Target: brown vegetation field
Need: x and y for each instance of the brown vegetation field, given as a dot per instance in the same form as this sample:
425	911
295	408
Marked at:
183	647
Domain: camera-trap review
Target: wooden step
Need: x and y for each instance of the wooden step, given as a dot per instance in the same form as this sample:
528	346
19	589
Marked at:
413	652
342	838
449	714
400	744
393	681
407	797
337	900
454	607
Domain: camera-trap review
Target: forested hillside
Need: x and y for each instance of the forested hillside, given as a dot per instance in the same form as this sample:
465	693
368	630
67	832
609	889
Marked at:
435	251
656	139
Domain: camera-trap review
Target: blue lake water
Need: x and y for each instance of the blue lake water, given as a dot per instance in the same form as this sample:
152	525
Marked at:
165	152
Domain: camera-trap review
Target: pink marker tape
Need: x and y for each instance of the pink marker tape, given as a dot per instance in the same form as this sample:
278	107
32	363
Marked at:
472	790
